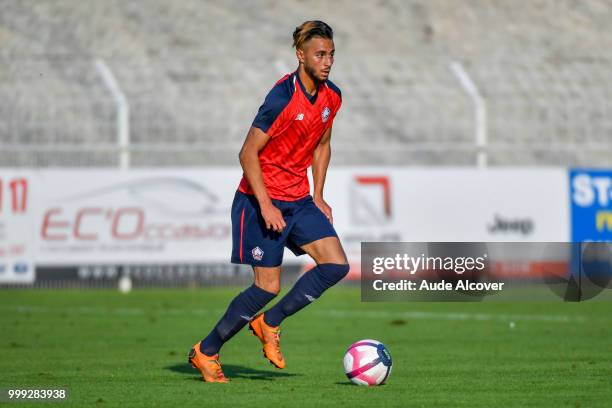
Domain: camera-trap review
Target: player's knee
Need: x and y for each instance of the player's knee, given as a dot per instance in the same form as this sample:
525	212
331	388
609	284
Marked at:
333	273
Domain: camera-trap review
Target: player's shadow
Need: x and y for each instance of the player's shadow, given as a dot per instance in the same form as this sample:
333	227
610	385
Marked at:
234	371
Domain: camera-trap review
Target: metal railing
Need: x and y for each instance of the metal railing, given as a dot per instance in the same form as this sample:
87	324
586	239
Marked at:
121	113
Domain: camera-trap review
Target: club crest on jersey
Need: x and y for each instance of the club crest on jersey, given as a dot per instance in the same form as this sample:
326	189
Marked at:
325	114
257	253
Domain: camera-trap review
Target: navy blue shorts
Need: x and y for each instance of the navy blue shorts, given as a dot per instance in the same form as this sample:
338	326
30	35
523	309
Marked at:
254	244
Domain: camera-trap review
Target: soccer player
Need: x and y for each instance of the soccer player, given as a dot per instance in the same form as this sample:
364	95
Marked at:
273	208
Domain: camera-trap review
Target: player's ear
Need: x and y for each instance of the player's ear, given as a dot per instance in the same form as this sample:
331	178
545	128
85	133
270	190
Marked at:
299	53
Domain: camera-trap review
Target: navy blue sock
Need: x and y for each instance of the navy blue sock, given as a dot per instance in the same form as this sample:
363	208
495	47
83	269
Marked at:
308	288
238	314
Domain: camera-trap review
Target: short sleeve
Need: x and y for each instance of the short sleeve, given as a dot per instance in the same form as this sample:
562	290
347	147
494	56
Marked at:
270	111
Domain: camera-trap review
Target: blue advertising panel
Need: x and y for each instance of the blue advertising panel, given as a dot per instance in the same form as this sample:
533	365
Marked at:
591	204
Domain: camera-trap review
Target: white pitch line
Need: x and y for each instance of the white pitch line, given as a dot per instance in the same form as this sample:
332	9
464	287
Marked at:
368	314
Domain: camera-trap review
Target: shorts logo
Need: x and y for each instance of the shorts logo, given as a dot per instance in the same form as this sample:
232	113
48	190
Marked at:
325	114
300	116
257	253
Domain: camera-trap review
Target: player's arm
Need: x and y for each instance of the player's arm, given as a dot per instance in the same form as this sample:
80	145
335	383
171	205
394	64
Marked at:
255	140
320	162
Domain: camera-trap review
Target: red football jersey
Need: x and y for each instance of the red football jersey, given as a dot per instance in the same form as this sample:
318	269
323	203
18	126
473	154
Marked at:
295	122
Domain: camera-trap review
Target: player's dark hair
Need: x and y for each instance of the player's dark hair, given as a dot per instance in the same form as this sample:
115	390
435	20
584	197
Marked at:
309	29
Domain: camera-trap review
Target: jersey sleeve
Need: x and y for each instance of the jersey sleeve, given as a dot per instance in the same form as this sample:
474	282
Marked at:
330	122
269	117
337	103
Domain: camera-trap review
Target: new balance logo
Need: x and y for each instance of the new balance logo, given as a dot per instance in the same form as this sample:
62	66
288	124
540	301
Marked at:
300	116
310	298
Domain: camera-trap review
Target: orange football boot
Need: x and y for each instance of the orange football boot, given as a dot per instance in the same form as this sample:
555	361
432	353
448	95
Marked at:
270	339
209	366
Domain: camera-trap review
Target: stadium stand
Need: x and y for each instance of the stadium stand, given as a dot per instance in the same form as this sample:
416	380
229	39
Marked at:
194	74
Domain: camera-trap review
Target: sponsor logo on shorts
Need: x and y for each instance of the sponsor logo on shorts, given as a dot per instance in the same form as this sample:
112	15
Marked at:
257	253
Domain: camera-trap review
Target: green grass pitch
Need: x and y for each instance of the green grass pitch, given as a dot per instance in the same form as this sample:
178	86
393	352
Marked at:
111	349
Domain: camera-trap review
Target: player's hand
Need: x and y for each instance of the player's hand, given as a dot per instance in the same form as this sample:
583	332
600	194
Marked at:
273	218
325	208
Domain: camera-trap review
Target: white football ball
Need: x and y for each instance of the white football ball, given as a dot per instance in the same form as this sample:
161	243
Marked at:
367	362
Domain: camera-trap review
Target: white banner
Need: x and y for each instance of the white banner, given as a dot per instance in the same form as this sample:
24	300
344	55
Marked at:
17	226
448	205
83	216
140	216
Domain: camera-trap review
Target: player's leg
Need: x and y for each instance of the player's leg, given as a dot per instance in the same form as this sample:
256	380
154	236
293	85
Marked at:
249	247
243	308
310	232
239	312
269	336
332	266
268	278
326	250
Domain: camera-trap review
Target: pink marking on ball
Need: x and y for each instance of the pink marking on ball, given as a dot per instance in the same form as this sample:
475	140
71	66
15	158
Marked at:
363	343
367	378
356	357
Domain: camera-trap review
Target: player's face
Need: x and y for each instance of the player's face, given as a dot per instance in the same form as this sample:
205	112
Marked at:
317	55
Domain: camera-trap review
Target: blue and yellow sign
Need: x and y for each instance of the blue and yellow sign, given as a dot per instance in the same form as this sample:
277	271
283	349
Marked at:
591	204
